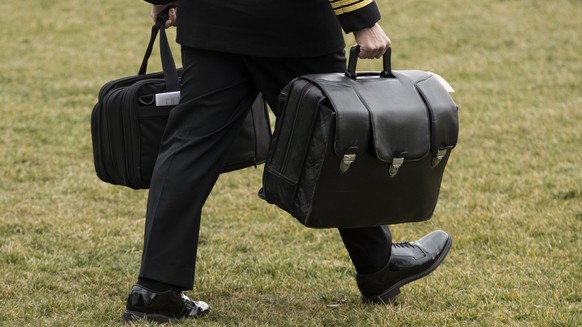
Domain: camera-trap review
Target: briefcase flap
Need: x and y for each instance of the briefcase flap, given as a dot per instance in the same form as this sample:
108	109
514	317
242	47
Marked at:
407	115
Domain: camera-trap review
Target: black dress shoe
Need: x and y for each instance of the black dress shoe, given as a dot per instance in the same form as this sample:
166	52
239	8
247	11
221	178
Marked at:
408	262
161	307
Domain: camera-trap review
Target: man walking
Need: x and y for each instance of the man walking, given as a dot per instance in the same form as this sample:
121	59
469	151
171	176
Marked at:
232	50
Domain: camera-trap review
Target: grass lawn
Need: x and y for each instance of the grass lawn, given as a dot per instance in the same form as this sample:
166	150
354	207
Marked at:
70	245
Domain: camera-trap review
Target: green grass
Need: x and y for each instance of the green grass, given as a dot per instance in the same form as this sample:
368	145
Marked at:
70	245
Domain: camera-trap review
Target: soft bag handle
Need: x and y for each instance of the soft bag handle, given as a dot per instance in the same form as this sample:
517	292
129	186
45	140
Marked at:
168	64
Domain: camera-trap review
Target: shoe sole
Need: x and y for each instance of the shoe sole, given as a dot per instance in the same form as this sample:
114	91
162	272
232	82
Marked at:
133	316
129	317
388	295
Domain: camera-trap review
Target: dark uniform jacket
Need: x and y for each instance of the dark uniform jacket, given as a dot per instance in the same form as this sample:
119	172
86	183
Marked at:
271	28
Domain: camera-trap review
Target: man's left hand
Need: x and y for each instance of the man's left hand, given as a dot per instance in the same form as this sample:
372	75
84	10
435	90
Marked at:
373	42
158	9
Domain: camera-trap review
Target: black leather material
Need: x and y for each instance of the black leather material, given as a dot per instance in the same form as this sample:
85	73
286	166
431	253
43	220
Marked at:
397	112
352	118
408	262
161	307
443	113
324	117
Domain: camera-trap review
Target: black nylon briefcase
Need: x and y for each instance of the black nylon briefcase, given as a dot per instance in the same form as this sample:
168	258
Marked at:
127	125
360	149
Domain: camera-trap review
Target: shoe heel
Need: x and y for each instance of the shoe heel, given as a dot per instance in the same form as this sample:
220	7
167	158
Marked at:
129	317
385	298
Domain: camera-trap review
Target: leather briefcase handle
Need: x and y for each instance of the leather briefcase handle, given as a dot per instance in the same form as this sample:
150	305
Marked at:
353	61
168	64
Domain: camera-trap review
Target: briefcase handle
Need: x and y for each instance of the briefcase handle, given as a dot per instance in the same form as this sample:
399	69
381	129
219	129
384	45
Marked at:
353	60
168	64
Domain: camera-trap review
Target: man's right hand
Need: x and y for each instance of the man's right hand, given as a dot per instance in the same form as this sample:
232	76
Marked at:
157	9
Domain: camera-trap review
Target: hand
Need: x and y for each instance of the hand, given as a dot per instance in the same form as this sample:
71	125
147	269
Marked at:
373	42
157	9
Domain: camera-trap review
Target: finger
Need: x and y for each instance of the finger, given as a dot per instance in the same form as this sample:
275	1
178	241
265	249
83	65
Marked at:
371	53
381	52
171	17
173	14
365	53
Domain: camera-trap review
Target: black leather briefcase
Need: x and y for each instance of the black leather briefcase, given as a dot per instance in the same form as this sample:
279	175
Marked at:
127	125
360	149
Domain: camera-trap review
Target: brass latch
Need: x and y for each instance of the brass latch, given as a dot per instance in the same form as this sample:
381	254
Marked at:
395	165
438	157
346	162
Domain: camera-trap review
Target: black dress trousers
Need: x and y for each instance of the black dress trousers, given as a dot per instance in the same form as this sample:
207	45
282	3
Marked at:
217	92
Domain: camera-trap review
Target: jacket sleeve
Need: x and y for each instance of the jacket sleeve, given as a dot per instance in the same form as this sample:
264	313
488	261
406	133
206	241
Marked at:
160	2
355	15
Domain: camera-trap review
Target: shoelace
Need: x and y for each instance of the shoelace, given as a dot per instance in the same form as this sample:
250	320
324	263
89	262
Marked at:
403	245
188	305
410	245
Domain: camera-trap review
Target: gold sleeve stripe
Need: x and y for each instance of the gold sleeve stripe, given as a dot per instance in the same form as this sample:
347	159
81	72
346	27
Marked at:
344	6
